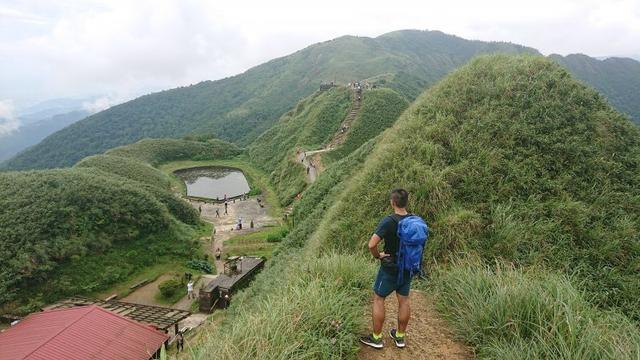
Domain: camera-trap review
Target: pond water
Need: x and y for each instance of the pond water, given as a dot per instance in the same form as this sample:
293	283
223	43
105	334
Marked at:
214	182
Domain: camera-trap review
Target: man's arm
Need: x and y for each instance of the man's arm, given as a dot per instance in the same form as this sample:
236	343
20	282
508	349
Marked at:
373	247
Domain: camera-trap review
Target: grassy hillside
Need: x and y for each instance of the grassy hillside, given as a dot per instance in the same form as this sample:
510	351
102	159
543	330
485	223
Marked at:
157	151
241	107
309	125
76	213
379	110
512	158
126	167
81	230
511	161
617	78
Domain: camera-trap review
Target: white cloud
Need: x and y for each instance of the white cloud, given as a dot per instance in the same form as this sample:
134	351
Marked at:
75	48
8	121
103	103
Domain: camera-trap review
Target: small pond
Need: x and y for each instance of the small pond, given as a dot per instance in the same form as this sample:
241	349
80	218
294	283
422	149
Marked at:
214	182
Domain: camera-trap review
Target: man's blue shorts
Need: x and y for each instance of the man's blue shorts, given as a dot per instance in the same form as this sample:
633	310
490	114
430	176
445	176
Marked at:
387	282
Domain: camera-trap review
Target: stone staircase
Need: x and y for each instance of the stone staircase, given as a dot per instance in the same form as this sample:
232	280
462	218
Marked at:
311	160
341	135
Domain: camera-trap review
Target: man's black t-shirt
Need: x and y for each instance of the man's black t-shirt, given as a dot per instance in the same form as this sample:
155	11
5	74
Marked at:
388	230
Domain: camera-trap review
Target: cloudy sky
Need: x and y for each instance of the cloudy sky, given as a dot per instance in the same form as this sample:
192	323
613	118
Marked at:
121	49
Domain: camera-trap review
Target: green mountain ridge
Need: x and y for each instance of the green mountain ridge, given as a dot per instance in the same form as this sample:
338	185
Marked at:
618	79
241	107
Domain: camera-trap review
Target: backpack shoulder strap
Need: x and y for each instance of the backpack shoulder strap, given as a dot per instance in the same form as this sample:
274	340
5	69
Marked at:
396	217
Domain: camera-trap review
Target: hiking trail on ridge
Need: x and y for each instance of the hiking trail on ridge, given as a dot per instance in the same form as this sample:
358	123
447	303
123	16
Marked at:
428	336
313	164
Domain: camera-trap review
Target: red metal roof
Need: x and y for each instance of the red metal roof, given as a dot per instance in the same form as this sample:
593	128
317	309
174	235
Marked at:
80	333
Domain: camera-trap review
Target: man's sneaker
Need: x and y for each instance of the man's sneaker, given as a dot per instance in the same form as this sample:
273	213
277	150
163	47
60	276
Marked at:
369	340
398	340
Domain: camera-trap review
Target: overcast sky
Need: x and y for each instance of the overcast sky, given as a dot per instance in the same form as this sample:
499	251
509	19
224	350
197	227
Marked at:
121	49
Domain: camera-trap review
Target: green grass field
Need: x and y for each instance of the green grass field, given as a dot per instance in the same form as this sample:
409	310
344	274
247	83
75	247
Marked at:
259	243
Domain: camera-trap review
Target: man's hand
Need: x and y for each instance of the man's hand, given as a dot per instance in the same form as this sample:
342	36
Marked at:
373	246
383	255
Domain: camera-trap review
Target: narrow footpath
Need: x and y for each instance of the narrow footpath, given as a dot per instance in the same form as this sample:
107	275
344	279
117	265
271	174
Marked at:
311	160
427	336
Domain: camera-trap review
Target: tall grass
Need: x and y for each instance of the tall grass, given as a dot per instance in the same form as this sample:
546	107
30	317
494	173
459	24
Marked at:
509	313
301	309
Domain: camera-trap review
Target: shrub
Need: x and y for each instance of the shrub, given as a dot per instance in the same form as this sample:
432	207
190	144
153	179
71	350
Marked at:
200	265
170	288
278	235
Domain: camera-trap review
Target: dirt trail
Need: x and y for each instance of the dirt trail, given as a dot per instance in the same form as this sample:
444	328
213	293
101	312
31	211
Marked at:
427	337
145	295
310	160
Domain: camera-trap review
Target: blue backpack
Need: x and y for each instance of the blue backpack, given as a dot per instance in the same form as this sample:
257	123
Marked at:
413	233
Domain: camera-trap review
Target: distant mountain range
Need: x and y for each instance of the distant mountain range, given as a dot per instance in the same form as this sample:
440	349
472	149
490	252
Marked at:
241	107
40	120
617	78
35	128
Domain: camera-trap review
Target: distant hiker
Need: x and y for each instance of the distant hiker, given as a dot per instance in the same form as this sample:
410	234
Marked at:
308	168
225	208
218	253
239	223
190	290
251	224
200	209
180	341
404	237
217	213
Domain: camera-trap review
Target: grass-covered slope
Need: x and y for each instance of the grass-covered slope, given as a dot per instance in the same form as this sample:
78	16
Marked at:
617	78
157	151
81	230
51	217
241	107
309	125
126	167
379	110
510	160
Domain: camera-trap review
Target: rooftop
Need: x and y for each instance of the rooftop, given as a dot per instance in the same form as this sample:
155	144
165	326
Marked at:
88	332
160	317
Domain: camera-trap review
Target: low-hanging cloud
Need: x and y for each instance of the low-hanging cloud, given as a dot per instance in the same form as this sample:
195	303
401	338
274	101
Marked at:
8	121
78	48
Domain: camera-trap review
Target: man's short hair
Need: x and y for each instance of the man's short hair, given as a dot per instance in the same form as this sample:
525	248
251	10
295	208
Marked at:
400	197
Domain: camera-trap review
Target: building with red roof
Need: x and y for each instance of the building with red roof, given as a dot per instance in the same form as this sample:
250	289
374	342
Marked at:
81	333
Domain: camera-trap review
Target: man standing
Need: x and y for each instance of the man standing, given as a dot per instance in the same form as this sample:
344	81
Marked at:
180	341
190	290
387	279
